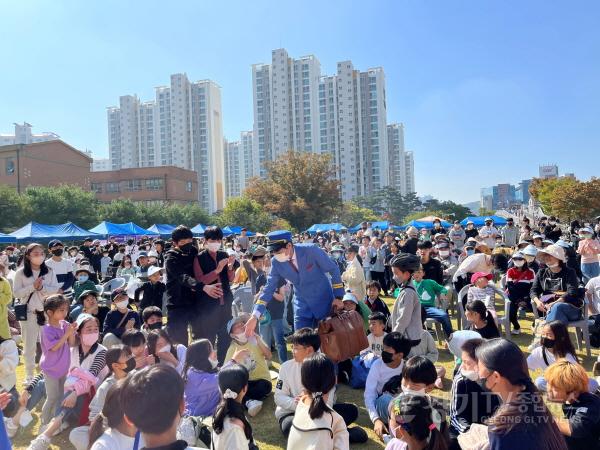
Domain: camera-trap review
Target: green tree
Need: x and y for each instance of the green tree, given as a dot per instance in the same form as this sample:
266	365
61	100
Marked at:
486	212
15	211
351	214
65	203
390	204
121	210
242	211
299	187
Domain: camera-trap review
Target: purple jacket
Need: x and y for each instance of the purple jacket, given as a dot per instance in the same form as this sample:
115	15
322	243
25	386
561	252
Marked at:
201	393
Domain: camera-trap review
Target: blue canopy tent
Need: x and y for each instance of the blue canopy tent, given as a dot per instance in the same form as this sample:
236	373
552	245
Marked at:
479	221
232	229
419	224
163	229
198	230
121	229
321	227
36	231
6	238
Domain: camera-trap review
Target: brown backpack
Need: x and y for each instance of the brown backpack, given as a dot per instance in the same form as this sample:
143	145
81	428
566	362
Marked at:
342	335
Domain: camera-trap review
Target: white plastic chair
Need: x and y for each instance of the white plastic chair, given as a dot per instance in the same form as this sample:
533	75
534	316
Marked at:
503	321
435	326
582	326
243	300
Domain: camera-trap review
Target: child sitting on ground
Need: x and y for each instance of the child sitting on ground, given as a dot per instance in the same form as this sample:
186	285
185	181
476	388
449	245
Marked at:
481	289
315	424
288	390
373	301
378	392
135	341
351	303
152	318
158	415
231	429
165	351
415	424
259	384
377	322
120	319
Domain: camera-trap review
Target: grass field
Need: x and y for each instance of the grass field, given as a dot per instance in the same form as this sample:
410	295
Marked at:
265	426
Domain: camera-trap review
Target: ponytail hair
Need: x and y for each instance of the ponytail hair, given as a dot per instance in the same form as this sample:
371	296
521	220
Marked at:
112	411
51	303
318	378
422	420
233	379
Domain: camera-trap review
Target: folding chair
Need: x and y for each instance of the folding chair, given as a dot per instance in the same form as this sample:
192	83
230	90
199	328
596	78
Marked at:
582	326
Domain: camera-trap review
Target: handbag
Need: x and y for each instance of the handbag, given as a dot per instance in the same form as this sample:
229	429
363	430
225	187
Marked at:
21	309
342	335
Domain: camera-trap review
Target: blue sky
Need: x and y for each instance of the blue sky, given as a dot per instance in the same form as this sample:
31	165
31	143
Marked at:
487	90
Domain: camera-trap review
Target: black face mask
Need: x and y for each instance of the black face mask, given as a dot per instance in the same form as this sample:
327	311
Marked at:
481	382
547	342
130	365
187	248
57	252
387	357
155	326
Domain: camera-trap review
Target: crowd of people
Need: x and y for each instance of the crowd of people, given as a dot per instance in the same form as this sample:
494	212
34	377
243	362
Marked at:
145	344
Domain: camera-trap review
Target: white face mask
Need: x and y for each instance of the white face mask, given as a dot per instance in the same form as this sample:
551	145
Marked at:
518	263
241	337
165	349
213	246
37	260
472	375
122	304
407	390
552	266
444	253
281	257
214	363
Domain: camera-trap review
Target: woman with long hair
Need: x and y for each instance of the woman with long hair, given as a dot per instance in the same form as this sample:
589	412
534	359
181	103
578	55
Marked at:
33	283
522	420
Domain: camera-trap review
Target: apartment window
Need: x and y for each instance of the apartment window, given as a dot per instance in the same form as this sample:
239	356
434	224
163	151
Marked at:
10	166
97	188
112	187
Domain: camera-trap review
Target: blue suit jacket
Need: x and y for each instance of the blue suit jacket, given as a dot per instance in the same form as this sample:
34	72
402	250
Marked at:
314	291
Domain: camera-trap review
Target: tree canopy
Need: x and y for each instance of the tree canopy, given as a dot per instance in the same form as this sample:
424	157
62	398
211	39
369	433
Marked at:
299	187
567	198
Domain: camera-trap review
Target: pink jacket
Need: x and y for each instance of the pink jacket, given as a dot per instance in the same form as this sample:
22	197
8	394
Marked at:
589	250
80	381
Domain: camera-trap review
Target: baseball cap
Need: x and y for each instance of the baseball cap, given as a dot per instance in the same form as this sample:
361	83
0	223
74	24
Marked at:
477	275
117	292
153	269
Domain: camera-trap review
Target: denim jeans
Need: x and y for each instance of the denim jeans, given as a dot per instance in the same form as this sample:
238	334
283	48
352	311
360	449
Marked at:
589	271
381	406
440	316
564	312
275	330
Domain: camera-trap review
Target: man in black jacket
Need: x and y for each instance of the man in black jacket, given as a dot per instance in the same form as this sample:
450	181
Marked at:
432	267
182	288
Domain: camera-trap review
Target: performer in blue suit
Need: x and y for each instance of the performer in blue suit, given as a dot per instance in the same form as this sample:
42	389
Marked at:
305	266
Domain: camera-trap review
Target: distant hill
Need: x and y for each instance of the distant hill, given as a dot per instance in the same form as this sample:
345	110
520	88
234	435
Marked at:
473	206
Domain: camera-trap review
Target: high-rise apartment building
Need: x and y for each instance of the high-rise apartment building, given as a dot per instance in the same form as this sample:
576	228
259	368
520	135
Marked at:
400	164
182	127
238	164
296	108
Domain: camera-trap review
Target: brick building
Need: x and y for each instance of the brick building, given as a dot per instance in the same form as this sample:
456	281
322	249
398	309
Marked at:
48	163
146	184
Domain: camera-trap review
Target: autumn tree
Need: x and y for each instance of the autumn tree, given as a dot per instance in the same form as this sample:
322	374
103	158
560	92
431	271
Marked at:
567	197
243	211
299	187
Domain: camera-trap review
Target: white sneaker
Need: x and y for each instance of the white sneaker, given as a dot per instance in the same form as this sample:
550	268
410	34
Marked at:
11	427
42	442
515	332
254	407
